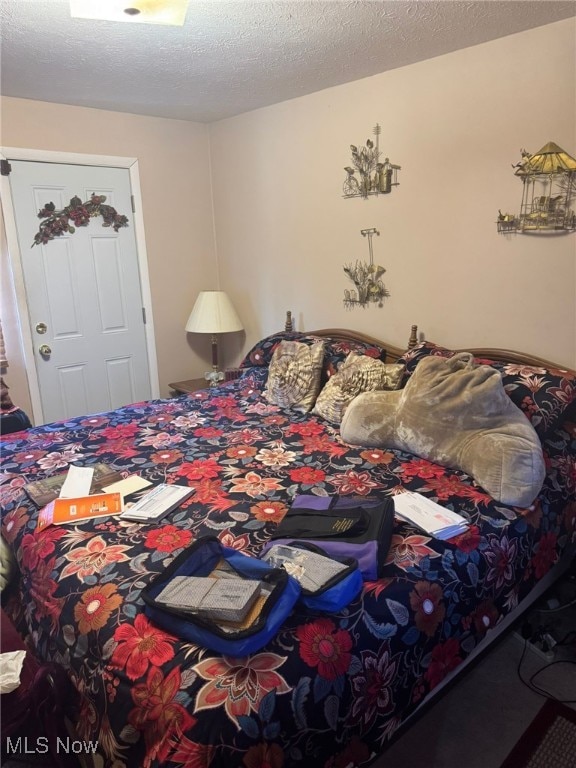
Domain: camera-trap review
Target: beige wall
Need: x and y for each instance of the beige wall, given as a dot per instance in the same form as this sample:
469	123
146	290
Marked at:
456	125
173	158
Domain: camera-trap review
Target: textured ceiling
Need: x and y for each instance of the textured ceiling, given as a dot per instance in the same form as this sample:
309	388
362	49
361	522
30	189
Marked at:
232	57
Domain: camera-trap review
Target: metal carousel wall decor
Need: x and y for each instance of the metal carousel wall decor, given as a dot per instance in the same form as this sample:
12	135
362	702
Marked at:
367	278
367	175
548	189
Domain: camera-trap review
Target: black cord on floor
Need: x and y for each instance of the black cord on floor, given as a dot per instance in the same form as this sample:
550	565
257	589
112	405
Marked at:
558	607
532	685
542	690
568	639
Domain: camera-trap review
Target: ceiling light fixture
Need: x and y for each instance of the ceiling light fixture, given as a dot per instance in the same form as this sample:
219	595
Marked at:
168	12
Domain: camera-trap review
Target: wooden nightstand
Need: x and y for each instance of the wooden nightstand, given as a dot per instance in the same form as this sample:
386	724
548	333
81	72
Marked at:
188	386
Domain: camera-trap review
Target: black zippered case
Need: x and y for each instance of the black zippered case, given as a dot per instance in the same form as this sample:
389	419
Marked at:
343	526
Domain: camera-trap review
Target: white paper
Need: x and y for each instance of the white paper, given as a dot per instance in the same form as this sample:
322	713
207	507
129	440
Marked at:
78	482
436	520
128	485
10	669
440	513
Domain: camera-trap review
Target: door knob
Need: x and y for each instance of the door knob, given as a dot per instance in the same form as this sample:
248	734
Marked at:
45	350
41	327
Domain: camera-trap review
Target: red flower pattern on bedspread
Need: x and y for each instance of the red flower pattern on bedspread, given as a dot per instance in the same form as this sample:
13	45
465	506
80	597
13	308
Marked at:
445	658
427	603
407	551
167	539
141	645
264	756
239	684
373	687
327	690
91	559
38	547
43	588
324	646
157	713
14	522
95	607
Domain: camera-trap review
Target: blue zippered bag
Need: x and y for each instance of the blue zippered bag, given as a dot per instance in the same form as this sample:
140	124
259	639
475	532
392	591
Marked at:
280	593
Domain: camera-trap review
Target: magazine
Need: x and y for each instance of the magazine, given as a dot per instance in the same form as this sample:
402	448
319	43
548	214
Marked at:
44	491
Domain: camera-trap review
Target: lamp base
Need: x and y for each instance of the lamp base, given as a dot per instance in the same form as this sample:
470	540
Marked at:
214	377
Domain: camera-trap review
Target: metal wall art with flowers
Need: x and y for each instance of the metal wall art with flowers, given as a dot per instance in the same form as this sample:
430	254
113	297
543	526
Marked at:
367	278
367	175
76	214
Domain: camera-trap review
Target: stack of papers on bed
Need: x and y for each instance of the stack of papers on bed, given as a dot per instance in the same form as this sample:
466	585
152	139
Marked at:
436	520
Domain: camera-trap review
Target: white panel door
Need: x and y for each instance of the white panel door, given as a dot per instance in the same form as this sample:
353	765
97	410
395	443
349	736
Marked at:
84	288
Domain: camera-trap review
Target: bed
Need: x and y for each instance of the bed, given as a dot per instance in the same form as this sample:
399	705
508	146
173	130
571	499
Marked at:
328	690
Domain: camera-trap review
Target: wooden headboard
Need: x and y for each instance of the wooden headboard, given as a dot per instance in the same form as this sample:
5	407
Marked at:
393	352
343	334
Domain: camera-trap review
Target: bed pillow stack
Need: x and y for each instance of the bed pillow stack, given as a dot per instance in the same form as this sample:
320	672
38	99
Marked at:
357	374
335	350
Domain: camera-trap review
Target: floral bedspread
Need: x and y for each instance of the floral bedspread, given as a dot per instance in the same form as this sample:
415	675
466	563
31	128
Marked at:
328	690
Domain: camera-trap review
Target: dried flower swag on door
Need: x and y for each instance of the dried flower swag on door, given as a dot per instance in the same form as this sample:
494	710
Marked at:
77	214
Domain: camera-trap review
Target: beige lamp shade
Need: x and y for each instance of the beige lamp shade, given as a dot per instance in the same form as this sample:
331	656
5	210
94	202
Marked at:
213	313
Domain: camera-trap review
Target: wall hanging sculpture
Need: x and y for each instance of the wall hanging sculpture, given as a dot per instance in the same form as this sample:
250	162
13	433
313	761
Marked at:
548	188
367	175
367	279
77	214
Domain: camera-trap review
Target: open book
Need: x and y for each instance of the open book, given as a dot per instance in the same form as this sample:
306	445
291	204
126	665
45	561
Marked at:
433	518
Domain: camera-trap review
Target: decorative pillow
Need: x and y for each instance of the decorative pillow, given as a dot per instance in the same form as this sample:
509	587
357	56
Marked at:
457	414
357	374
335	351
261	353
542	394
294	375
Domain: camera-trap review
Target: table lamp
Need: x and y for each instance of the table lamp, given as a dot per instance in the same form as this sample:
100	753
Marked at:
213	313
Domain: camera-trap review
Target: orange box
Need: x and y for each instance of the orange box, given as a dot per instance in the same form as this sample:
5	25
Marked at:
62	511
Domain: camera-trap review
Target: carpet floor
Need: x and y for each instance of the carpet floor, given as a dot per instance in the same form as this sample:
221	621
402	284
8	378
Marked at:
548	742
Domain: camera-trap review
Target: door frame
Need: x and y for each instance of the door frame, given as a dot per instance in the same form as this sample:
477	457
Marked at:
15	258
